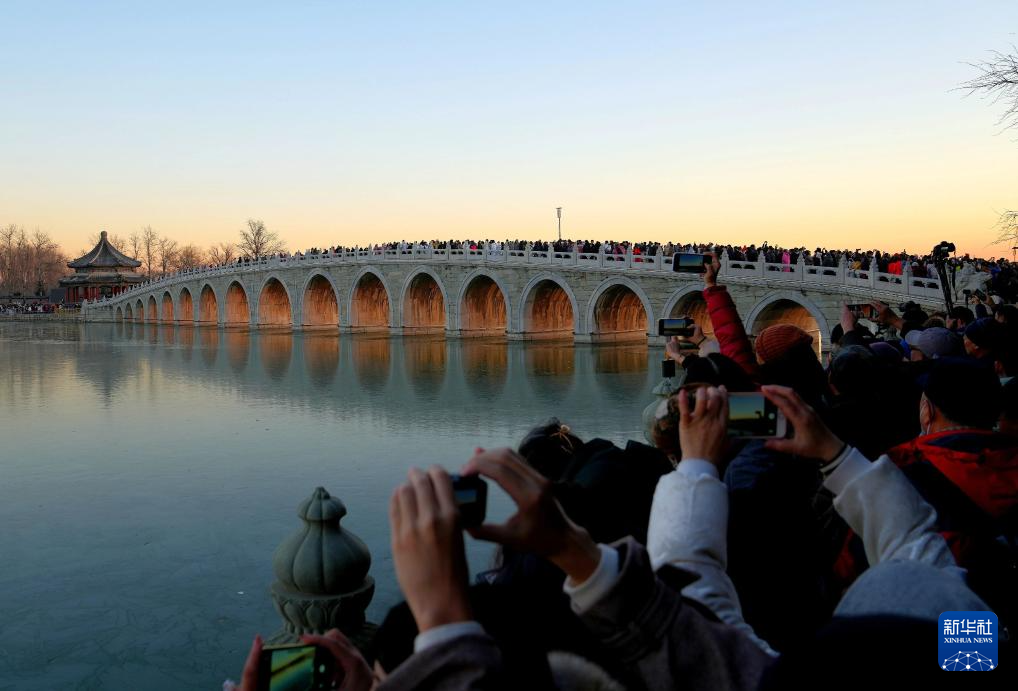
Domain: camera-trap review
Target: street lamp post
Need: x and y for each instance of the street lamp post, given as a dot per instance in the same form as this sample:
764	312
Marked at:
558	212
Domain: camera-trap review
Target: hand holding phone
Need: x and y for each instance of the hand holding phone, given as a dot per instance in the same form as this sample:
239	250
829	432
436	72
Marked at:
297	666
471	495
811	437
688	263
676	326
703	417
752	416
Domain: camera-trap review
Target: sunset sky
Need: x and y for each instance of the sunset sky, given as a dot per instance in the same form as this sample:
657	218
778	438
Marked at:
808	123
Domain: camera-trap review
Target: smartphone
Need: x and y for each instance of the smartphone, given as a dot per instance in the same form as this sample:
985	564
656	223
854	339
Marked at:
295	668
864	311
675	326
471	495
691	263
752	416
667	368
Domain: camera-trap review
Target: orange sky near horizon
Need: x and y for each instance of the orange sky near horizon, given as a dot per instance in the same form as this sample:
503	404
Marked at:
837	125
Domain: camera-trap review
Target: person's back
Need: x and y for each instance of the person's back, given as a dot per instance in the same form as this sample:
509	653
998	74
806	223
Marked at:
969	474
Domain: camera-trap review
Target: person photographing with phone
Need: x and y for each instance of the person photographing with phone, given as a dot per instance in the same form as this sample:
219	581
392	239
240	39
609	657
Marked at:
667	611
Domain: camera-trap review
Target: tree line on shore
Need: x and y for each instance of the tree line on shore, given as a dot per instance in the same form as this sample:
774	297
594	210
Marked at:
31	262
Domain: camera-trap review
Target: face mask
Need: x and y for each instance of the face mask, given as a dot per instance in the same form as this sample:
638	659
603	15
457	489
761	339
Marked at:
927	407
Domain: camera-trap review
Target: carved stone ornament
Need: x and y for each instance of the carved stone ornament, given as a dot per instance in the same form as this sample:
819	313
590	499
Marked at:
322	579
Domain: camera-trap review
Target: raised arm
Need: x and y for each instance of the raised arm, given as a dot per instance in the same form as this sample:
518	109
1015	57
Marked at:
875	499
666	640
689	517
724	317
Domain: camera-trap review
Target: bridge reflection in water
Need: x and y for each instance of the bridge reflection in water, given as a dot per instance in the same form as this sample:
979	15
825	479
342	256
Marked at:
397	371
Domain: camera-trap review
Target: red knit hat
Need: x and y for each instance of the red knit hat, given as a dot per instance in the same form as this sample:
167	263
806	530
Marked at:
775	341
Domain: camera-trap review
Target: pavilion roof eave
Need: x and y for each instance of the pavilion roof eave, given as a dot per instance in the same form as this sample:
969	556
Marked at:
104	255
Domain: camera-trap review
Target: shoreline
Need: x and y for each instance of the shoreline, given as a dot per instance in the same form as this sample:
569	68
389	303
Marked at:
74	316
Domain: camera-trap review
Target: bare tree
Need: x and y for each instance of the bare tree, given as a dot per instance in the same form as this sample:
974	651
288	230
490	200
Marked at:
189	257
998	81
1008	228
257	240
135	245
149	249
223	253
28	264
167	255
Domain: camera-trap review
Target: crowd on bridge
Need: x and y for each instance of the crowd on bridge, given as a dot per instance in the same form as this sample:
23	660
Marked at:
978	276
822	558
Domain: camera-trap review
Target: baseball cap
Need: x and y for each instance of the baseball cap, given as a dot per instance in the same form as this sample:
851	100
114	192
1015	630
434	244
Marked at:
935	342
966	391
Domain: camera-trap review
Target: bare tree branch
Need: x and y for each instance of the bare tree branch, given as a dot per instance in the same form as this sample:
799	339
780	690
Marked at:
258	241
149	249
167	255
223	253
28	265
189	257
998	81
1007	226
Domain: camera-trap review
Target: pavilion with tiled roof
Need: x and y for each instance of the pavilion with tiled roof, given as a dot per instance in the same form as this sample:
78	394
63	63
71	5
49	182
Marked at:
103	272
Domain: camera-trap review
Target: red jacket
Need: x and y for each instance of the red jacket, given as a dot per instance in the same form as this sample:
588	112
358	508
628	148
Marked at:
728	329
971	478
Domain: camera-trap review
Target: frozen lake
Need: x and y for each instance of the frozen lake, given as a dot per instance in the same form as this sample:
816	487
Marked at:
147	474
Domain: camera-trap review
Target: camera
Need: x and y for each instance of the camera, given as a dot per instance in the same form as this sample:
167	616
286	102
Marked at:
943	249
470	493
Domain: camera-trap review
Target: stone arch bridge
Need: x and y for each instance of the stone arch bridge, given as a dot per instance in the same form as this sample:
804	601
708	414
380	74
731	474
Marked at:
522	294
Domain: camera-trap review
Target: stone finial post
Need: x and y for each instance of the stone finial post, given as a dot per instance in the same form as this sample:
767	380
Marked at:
322	579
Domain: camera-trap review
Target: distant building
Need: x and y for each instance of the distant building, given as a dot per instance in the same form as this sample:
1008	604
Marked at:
103	272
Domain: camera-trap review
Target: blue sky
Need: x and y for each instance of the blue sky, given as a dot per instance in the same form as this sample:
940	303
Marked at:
353	122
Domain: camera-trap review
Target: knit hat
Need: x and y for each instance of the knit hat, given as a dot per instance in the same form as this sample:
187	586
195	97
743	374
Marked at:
776	341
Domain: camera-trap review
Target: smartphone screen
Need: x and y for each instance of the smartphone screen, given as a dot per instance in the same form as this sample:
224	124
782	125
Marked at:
471	496
291	668
690	263
863	311
752	415
675	326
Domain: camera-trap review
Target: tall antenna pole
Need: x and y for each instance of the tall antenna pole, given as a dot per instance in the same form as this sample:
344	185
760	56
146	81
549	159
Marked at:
558	212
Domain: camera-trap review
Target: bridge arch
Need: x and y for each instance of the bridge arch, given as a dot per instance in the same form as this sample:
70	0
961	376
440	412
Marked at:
483	304
166	309
275	308
689	302
423	301
139	310
619	309
151	310
120	313
369	306
208	305
788	307
238	310
548	307
319	301
185	306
